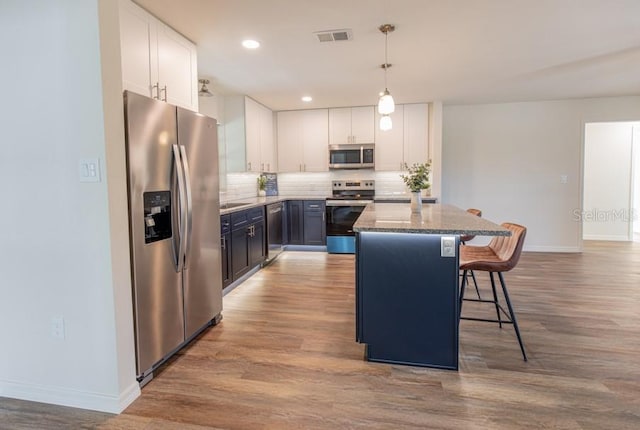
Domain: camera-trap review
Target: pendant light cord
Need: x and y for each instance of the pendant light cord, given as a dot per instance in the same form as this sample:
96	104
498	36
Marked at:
386	62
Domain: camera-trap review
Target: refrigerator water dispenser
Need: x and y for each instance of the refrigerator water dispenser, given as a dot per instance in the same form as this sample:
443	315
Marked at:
157	216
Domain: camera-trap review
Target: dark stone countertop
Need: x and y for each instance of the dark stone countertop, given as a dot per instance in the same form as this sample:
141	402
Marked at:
434	219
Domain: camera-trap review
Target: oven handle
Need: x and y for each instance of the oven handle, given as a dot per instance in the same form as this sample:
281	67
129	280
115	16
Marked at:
348	202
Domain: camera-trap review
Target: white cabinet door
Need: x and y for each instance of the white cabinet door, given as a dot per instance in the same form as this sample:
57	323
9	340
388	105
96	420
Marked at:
252	120
416	133
351	125
156	61
303	141
315	138
260	149
362	127
177	68
268	158
339	126
135	33
289	127
389	151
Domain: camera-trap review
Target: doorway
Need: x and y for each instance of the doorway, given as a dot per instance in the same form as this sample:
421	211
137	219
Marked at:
611	182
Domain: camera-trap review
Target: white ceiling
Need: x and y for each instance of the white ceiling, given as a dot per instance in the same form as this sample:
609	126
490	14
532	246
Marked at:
457	51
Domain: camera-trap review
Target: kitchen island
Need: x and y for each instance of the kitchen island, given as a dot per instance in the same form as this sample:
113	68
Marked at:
407	281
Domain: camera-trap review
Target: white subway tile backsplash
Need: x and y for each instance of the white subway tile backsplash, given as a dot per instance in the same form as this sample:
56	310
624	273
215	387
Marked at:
240	186
243	185
304	184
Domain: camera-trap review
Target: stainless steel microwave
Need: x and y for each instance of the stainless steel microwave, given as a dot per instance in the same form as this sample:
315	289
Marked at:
351	156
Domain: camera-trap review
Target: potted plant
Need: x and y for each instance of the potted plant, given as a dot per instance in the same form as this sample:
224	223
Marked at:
262	185
417	179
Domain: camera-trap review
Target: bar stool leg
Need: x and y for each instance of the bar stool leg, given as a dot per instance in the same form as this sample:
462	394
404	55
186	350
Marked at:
495	298
513	315
475	283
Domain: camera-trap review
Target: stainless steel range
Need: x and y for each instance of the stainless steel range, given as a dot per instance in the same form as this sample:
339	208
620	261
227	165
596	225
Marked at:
345	206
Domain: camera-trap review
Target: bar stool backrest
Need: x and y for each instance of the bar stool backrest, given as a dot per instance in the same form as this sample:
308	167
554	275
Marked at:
508	248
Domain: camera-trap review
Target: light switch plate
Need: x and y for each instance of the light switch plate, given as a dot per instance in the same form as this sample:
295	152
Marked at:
89	170
447	246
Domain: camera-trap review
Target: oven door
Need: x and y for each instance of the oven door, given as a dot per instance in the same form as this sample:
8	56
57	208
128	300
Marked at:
341	215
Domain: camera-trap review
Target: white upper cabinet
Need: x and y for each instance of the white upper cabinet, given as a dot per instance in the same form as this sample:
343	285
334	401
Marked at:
303	141
315	139
407	141
351	125
290	145
157	61
389	144
260	145
416	133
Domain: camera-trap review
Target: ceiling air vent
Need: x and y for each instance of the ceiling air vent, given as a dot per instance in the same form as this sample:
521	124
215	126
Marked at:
333	35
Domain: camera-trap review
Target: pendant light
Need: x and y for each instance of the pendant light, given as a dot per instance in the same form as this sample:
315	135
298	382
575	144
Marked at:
386	104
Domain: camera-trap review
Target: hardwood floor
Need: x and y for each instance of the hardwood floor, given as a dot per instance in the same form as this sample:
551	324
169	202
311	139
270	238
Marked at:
284	357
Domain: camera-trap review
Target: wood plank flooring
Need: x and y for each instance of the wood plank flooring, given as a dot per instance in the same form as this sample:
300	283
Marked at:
284	357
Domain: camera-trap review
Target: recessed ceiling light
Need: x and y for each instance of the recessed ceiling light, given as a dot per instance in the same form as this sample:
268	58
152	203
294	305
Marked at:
251	44
307	98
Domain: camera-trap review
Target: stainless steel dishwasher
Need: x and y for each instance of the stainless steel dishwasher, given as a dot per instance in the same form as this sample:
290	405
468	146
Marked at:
274	230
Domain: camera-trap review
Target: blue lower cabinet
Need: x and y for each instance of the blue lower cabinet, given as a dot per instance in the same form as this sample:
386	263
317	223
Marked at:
406	299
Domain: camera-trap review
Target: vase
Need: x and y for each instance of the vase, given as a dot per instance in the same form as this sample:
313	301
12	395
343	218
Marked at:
416	202
262	193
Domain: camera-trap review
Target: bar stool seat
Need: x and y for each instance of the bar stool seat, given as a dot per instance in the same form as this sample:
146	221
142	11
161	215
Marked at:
501	255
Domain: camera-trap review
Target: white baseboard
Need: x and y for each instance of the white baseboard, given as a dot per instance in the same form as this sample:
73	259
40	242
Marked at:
607	237
69	397
552	249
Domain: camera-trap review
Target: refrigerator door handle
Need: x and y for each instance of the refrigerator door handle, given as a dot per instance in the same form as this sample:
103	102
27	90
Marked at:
182	218
189	208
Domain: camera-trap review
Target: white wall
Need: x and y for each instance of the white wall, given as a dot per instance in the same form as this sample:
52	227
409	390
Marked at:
64	245
508	158
607	181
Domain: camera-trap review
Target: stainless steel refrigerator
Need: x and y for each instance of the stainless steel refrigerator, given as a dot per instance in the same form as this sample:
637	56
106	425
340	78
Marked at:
174	220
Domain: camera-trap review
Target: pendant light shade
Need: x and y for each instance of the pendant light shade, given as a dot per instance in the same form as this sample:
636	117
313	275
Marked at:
385	123
386	105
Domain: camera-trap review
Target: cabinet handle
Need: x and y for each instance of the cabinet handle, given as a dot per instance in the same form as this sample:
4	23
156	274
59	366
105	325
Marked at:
249	166
223	243
268	167
305	167
157	88
165	93
262	167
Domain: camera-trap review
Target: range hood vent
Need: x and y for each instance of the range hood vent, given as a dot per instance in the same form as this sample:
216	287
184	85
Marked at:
334	35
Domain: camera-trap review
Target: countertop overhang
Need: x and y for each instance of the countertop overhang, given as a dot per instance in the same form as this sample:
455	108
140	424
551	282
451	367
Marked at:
434	219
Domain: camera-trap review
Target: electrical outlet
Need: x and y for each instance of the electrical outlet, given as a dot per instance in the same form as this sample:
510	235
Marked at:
447	246
57	327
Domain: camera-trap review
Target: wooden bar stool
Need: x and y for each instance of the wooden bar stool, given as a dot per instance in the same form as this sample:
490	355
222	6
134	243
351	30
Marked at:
501	255
466	238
